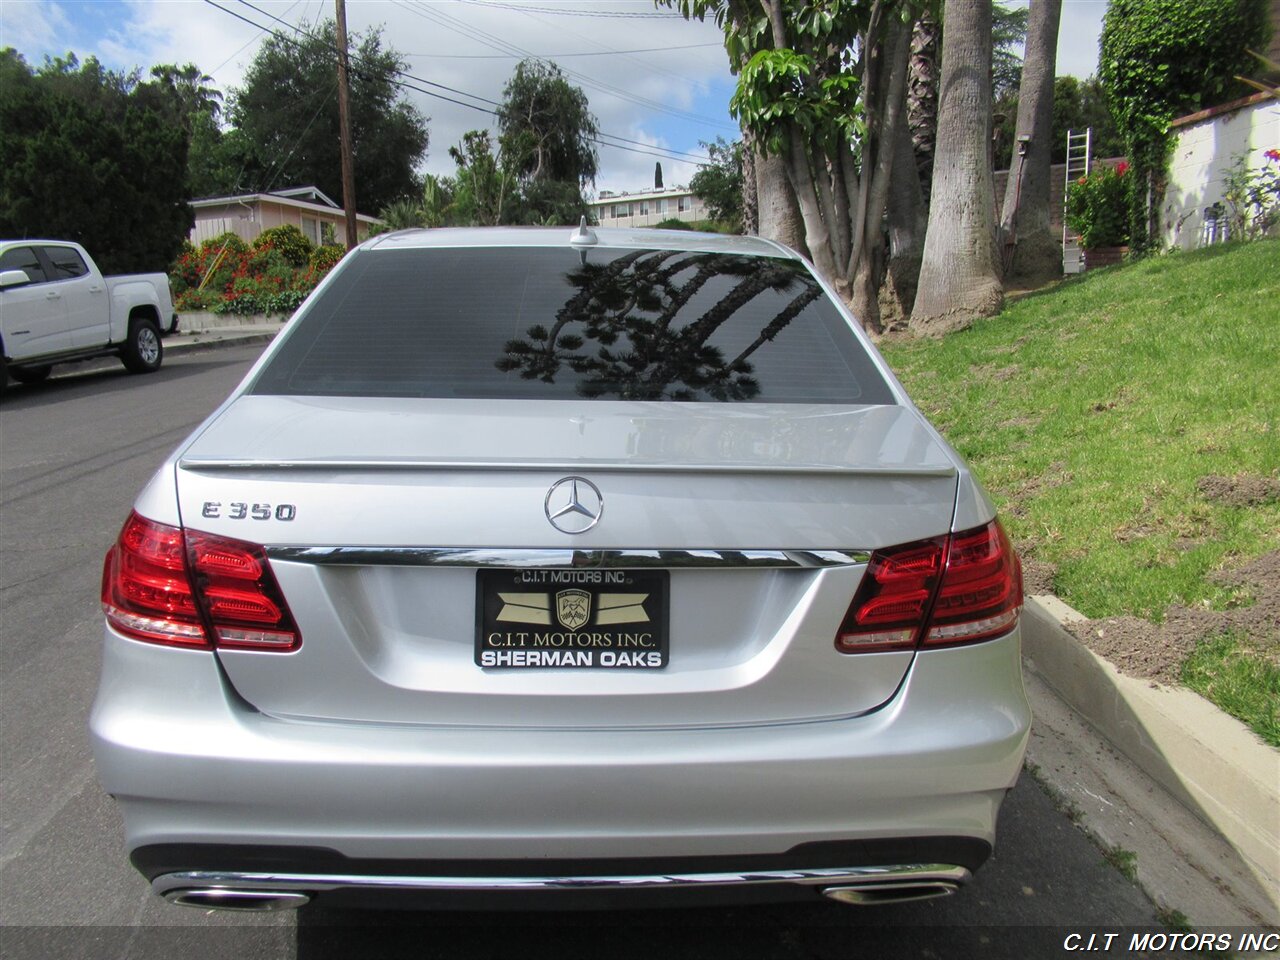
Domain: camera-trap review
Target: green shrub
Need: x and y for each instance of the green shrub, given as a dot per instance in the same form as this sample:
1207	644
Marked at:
193	299
323	259
260	301
671	223
233	243
290	241
1098	207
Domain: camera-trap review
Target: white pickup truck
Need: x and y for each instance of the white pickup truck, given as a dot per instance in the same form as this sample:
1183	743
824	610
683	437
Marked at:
56	306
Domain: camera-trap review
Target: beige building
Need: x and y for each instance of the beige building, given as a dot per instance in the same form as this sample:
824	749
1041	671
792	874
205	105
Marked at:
648	208
247	215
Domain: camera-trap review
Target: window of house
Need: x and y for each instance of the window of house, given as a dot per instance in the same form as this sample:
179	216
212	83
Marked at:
311	228
662	206
683	204
644	208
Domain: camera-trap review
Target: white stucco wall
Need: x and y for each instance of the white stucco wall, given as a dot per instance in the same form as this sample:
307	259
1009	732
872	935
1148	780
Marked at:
1203	154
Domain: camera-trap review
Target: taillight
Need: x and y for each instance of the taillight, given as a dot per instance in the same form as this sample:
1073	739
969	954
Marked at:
190	589
948	590
893	598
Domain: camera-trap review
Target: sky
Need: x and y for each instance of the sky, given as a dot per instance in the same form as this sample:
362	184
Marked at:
658	85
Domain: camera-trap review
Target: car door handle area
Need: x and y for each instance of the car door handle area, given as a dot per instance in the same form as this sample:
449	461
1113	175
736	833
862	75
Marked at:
53	295
95	289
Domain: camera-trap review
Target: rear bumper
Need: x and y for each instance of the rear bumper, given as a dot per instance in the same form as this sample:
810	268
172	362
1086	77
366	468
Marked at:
512	884
208	784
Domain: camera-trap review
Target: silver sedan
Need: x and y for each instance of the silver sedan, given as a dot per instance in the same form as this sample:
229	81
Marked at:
541	567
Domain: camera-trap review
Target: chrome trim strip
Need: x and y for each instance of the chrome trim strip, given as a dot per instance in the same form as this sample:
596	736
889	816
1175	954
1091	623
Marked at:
214	464
165	884
519	557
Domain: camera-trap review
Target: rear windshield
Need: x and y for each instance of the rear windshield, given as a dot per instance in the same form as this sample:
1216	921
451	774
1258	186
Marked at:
547	323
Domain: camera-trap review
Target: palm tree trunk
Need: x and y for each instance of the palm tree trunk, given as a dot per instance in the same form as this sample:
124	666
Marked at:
1024	224
960	278
922	95
750	189
907	221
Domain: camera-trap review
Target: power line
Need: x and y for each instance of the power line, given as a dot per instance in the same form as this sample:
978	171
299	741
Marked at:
430	83
247	42
563	12
651	67
651	150
481	36
558	56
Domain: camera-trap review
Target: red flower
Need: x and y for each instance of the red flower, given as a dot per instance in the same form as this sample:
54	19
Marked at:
1273	155
1081	181
1122	168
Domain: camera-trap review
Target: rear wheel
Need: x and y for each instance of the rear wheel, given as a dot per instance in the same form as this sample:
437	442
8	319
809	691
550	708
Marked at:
31	374
142	352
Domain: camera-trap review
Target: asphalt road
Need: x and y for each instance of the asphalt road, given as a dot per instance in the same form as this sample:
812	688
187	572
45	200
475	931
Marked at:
73	453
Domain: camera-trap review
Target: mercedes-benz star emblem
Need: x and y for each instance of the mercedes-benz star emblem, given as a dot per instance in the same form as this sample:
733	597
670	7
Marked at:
574	505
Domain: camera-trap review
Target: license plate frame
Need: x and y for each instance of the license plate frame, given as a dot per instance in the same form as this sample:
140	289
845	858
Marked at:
565	619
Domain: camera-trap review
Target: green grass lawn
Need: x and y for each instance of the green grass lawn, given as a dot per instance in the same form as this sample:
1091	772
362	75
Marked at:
1093	413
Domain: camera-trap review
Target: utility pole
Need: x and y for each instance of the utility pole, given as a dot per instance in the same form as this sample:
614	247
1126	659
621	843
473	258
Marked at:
344	125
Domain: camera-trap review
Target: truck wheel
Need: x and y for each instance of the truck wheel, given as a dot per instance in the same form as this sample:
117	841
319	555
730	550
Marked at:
142	352
31	374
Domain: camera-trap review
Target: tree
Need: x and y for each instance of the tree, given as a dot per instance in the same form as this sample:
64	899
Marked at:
823	88
719	182
484	186
769	206
960	277
547	142
1008	34
198	110
777	212
1031	251
1079	105
94	156
190	91
922	91
546	127
1162	58
907	218
287	114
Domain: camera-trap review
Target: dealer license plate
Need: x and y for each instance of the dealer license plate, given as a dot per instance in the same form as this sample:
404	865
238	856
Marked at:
572	619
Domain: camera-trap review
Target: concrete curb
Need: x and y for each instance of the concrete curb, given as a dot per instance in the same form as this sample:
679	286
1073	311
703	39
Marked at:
1207	760
186	341
202	321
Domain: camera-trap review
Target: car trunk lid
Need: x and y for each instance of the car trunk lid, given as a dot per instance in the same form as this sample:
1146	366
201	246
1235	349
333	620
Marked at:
382	516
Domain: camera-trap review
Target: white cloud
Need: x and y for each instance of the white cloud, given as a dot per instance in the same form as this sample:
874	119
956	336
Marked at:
33	28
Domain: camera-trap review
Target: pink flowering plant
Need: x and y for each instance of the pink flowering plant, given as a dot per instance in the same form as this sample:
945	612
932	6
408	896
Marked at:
1097	207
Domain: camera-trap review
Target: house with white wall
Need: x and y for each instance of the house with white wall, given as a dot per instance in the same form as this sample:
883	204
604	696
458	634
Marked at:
647	208
1207	146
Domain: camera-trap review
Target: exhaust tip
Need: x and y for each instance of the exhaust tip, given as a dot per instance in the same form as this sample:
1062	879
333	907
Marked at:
870	894
222	898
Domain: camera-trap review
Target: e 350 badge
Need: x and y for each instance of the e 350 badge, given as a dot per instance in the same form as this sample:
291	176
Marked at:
237	510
